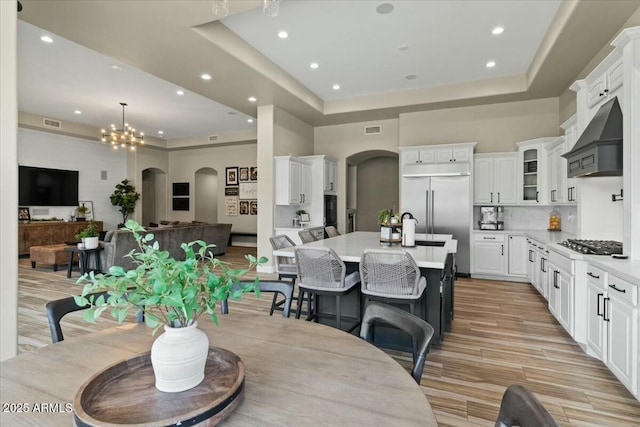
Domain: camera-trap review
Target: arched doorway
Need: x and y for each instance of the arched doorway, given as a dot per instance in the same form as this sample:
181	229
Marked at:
154	196
206	195
372	185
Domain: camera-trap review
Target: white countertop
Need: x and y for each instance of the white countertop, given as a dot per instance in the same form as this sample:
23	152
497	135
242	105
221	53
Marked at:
351	245
624	268
305	227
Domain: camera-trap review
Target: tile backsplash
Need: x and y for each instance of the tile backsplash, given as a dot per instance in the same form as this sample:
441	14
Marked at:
534	217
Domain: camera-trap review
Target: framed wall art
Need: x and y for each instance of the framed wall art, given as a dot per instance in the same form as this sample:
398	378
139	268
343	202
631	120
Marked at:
232	175
248	190
231	205
253	207
23	214
231	191
244	174
244	207
89	205
180	203
253	173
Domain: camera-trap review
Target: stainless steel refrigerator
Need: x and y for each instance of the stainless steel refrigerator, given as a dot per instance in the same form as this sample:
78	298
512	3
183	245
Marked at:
442	205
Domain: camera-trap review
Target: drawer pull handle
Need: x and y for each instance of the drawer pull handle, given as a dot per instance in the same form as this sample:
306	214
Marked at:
600	295
489	238
592	275
617	289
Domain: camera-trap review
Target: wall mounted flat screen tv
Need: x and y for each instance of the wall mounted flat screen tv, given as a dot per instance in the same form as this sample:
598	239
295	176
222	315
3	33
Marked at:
47	187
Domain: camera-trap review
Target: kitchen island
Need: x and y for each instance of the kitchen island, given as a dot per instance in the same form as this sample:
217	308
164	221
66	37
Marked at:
436	264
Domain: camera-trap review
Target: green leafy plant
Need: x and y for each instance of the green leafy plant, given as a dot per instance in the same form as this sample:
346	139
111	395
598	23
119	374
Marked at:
300	212
125	197
82	210
91	230
385	215
169	291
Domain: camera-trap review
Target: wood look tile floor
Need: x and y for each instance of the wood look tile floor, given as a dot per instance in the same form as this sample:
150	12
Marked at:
502	334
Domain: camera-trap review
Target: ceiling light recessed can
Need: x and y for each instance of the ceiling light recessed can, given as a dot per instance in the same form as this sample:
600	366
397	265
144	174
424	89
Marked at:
115	67
336	87
205	76
491	64
497	30
403	47
252	99
283	34
46	39
77	112
384	8
410	76
231	113
314	65
250	120
160	132
180	92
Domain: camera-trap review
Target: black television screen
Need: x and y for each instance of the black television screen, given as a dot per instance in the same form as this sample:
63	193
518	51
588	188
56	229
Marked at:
47	187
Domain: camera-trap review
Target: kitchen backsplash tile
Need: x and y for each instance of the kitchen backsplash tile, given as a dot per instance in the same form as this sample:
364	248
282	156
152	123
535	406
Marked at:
533	217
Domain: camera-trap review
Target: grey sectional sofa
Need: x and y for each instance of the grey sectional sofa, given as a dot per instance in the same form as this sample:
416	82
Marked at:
119	243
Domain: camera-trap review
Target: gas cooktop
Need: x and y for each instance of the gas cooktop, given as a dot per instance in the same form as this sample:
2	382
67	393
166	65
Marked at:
594	247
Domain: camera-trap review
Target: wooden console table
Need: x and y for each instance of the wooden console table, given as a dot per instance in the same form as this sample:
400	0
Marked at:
44	233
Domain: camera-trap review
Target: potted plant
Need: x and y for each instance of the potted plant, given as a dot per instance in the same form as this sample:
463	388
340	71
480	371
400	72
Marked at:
82	211
125	197
173	294
89	236
387	216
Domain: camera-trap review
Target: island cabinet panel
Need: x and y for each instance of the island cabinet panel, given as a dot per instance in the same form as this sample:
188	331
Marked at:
48	233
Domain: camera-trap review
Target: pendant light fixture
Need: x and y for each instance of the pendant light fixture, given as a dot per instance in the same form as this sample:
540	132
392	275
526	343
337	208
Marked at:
123	137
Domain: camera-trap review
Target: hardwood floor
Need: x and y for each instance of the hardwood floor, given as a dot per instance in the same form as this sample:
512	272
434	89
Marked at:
502	334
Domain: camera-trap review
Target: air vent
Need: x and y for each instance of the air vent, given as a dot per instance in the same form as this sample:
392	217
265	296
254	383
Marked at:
213	138
373	130
50	123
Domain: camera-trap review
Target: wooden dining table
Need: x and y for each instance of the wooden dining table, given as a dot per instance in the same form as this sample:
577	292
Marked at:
296	373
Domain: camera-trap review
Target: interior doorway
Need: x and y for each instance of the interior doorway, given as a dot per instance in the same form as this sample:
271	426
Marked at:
372	184
206	195
154	196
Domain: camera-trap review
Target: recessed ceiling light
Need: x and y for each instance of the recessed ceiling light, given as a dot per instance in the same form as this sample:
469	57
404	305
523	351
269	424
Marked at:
205	76
314	65
336	87
160	132
77	112
283	34
491	64
252	99
115	67
410	76
403	47
250	120
180	92
497	30
46	39
384	8
231	113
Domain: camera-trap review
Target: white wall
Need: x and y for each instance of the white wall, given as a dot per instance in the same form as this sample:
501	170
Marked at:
8	181
183	165
89	158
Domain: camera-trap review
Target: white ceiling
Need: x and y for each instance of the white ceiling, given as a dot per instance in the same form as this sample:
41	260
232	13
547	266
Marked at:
163	45
358	48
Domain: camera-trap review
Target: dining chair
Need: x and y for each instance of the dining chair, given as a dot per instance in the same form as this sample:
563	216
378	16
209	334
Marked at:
306	236
285	266
391	276
331	231
520	407
57	309
275	286
322	272
420	331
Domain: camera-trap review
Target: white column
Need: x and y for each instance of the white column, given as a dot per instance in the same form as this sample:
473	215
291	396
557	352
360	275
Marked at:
266	183
8	181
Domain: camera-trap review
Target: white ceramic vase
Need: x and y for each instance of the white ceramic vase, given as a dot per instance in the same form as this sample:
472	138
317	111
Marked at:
178	357
90	242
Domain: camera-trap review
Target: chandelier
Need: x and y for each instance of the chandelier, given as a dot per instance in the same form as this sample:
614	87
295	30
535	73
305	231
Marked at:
269	7
123	137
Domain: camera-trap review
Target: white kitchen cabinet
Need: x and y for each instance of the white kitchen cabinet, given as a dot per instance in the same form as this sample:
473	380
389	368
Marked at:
292	181
597	332
489	254
557	172
532	262
517	265
330	177
494	180
542	269
605	87
532	170
570	138
561	291
621	313
444	153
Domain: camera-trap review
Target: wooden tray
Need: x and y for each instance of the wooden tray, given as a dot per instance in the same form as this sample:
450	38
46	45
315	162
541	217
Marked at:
125	394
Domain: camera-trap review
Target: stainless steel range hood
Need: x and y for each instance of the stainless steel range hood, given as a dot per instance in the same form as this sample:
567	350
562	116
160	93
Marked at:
598	151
